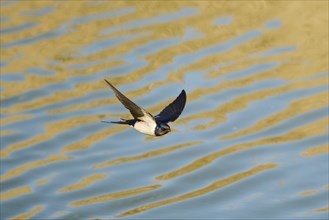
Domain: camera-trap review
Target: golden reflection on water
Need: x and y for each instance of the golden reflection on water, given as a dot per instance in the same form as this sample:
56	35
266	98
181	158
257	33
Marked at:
297	107
213	186
31	165
42	181
81	90
309	130
16	193
15	118
149	154
85	182
116	195
325	209
159	59
241	102
314	151
91	139
52	129
30	214
309	192
313	191
302	31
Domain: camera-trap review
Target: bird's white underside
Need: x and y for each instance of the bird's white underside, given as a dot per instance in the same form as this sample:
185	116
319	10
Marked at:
146	124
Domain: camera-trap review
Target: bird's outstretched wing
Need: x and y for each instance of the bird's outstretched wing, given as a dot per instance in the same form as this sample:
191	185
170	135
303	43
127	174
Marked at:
173	110
136	111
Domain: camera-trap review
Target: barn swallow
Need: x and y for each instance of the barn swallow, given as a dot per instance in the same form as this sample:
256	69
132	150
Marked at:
146	123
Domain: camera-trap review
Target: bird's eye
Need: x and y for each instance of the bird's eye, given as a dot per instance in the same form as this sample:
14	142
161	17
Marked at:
162	129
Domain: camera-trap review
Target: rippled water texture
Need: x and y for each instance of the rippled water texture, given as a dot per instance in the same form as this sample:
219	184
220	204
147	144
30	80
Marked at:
251	143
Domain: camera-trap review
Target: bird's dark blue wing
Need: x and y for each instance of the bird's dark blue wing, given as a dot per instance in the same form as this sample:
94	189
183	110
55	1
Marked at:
173	110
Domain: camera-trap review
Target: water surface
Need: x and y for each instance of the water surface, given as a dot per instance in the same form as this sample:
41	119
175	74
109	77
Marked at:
251	143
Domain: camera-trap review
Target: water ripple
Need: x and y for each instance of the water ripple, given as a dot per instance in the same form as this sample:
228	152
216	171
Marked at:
255	124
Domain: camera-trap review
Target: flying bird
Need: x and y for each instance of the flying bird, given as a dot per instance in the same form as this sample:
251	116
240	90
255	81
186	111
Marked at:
146	123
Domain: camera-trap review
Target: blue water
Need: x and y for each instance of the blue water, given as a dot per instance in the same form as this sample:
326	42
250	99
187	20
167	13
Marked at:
251	143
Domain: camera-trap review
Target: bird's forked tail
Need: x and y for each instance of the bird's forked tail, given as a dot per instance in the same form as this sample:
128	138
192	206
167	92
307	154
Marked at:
122	122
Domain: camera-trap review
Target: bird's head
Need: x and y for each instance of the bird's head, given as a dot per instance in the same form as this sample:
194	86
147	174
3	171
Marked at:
162	129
